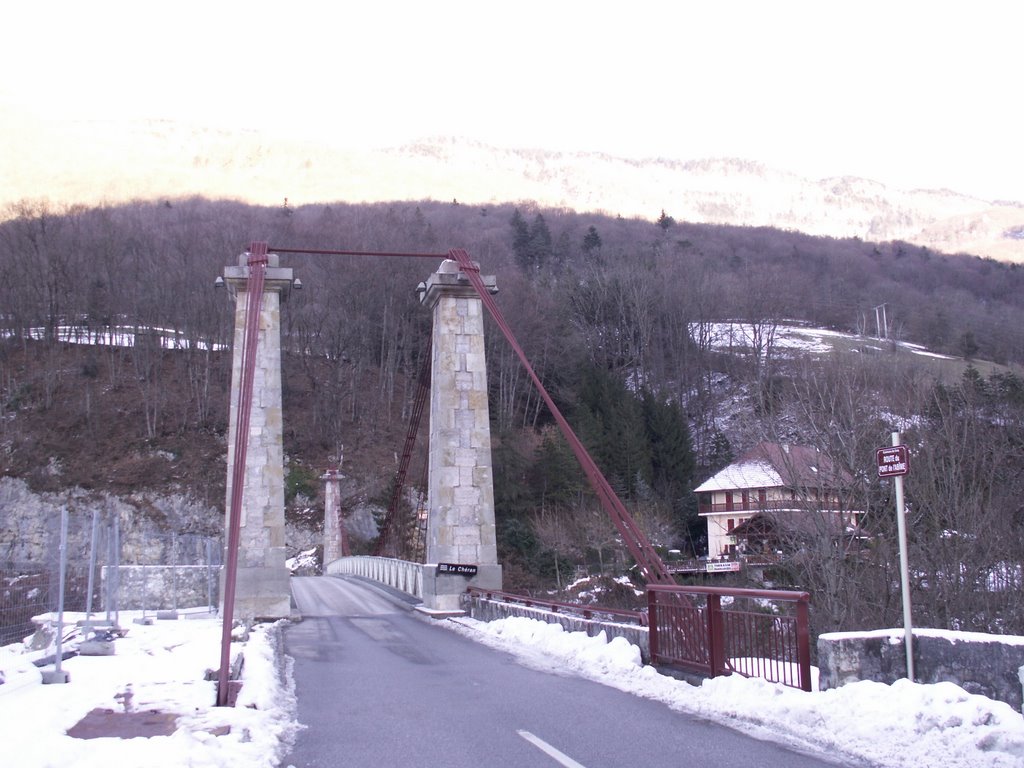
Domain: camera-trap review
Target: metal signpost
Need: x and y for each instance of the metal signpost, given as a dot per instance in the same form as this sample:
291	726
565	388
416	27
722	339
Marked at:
894	462
58	675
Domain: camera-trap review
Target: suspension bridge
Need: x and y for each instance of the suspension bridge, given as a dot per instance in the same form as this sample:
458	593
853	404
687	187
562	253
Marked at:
687	627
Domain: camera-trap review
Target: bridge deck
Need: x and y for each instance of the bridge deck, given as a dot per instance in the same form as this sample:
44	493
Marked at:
378	686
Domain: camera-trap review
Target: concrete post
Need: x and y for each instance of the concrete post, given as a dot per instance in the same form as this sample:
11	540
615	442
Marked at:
460	491
334	526
262	588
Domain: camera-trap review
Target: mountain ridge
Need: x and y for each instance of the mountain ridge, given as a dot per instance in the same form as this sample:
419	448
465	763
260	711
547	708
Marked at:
89	162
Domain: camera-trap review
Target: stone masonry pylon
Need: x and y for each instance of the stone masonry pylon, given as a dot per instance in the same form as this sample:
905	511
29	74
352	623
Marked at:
262	588
460	491
334	526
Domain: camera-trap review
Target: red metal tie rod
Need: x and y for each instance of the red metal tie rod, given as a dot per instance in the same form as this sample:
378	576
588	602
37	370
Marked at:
253	305
651	565
647	558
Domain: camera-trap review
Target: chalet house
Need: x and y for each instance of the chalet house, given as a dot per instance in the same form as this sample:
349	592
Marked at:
771	493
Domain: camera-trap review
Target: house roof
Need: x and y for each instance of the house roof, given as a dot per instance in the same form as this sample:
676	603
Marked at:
776	465
742	474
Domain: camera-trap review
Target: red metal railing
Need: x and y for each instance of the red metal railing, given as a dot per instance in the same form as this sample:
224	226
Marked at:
758	640
586	611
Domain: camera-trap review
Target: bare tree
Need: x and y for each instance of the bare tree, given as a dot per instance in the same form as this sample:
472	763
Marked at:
963	496
838	544
553	528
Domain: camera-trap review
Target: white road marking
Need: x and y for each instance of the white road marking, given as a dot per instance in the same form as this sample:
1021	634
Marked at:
559	757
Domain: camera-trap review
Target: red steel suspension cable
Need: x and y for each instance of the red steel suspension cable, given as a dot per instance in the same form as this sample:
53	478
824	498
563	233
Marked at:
651	565
385	254
253	304
422	391
636	541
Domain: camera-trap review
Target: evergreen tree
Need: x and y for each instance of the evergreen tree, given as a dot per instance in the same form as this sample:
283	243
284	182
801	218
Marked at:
511	494
591	240
610	423
540	247
556	476
720	454
531	243
520	239
673	464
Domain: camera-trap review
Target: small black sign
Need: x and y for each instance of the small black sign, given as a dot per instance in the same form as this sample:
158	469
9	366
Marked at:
457	569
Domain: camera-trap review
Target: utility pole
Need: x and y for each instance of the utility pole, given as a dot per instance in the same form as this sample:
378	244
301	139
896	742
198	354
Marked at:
881	322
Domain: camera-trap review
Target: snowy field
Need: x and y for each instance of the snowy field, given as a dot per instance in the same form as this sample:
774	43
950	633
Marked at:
162	666
159	667
796	338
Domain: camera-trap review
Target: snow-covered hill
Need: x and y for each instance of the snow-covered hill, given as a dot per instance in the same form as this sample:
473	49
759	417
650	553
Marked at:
87	162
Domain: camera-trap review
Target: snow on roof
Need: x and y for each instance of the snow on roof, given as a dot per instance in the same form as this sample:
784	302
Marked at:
745	474
774	465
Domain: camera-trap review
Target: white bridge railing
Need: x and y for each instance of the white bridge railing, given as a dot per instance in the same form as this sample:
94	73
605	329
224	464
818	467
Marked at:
400	574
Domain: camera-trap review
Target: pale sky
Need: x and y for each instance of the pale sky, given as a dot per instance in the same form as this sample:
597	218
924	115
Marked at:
911	94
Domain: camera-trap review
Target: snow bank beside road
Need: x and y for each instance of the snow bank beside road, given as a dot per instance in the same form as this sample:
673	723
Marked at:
162	667
904	725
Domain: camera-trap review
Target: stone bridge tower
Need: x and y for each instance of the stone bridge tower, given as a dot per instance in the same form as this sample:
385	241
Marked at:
335	536
460	491
262	588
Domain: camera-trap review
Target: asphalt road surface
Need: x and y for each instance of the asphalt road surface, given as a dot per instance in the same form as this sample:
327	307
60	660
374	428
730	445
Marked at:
380	686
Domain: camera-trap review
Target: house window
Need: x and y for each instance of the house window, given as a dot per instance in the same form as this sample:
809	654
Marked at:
762	497
728	501
730	524
746	500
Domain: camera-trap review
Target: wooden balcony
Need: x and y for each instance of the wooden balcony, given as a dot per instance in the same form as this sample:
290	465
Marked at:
773	505
723	564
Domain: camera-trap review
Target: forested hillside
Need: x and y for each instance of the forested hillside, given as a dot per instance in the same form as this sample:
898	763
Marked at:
618	317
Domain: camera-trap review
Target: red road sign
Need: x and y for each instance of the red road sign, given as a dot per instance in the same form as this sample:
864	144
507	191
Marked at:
892	461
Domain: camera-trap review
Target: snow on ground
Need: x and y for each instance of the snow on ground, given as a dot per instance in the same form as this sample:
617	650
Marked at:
904	725
305	560
899	726
790	336
120	336
162	666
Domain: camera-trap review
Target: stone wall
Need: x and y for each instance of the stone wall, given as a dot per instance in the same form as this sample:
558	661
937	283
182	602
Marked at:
482	609
979	663
30	523
163	587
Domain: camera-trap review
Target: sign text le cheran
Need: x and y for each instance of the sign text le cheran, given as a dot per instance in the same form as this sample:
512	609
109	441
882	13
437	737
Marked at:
458	569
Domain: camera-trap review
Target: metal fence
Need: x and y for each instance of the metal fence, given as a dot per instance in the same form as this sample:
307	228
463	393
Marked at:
106	572
554	606
25	591
719	631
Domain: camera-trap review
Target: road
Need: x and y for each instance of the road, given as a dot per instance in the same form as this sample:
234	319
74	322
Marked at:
379	686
